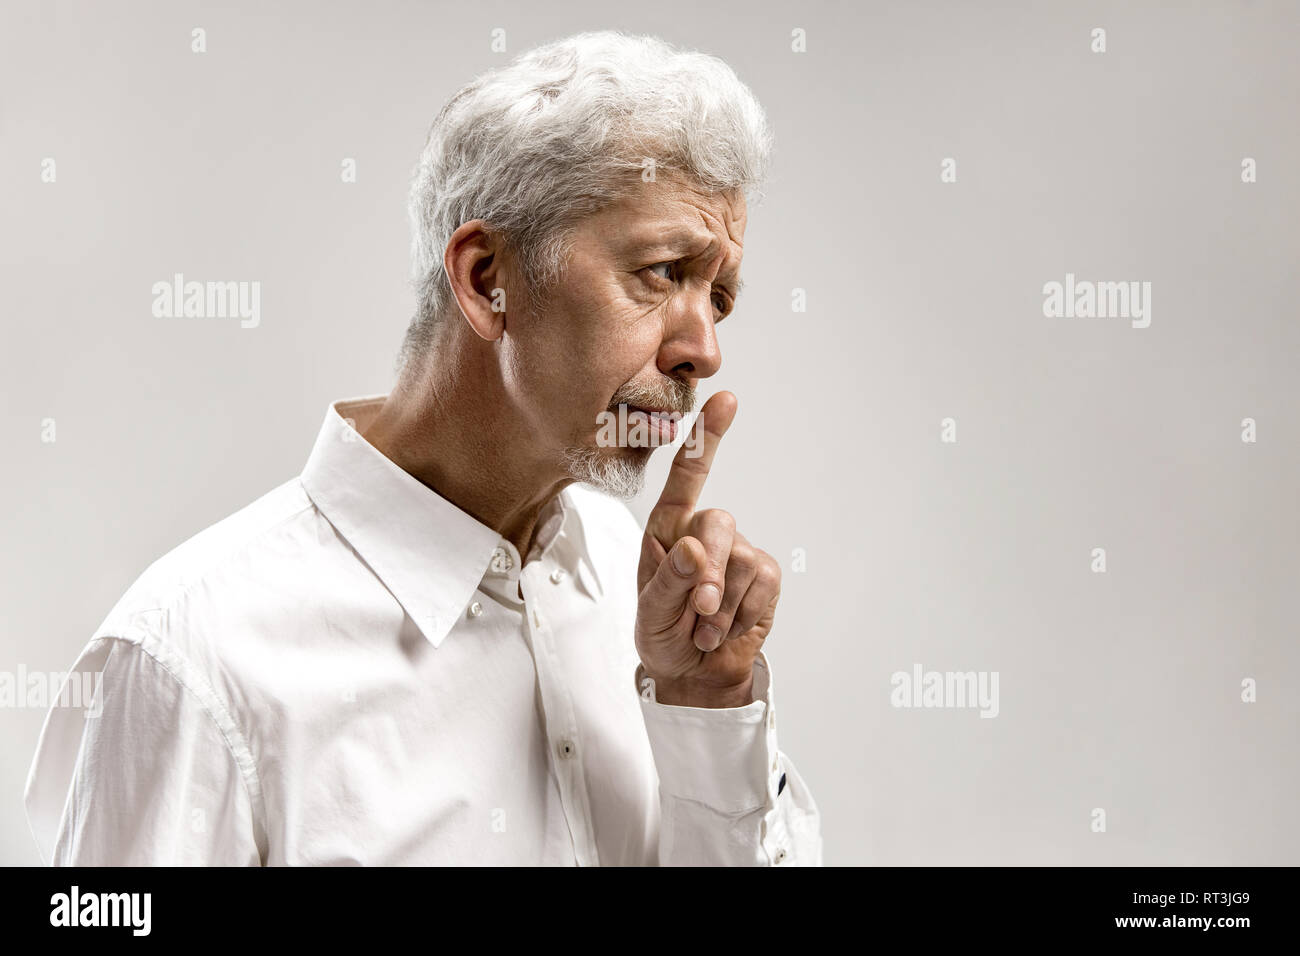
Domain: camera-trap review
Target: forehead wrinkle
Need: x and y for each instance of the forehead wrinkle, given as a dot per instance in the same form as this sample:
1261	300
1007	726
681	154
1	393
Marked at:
670	222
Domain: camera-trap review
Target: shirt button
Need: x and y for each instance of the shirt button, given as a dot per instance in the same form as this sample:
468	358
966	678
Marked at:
780	854
557	576
567	748
501	561
475	609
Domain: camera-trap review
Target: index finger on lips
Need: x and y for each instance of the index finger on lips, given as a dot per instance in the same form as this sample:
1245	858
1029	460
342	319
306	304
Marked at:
690	469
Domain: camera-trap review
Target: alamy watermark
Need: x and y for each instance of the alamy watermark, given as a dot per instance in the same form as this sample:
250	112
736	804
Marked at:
41	689
75	908
636	428
1098	300
178	299
956	689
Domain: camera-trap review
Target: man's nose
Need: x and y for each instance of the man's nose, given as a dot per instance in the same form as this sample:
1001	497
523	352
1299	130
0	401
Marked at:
690	348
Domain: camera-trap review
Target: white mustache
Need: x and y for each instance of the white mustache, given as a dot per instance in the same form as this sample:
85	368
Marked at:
647	397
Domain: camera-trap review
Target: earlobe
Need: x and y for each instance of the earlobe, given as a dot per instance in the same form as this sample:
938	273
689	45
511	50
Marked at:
487	325
487	321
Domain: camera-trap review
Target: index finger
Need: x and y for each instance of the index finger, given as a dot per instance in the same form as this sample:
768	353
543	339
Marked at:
690	469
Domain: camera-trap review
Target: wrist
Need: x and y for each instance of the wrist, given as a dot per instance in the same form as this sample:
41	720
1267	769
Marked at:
687	693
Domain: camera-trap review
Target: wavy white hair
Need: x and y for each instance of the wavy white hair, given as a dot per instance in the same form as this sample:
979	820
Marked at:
535	146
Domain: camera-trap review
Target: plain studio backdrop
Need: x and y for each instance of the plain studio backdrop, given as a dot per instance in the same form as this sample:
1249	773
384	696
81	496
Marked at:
1119	690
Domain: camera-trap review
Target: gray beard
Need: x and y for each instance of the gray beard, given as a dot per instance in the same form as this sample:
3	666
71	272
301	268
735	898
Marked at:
613	474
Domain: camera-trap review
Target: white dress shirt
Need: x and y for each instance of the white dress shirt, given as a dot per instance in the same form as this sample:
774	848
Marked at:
352	670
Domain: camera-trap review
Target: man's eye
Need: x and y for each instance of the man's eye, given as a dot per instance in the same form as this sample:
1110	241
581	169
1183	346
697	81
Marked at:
719	301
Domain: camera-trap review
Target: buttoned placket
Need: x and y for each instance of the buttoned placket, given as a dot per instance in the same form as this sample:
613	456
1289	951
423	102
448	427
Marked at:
538	588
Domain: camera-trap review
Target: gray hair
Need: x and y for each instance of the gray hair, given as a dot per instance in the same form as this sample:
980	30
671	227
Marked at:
535	146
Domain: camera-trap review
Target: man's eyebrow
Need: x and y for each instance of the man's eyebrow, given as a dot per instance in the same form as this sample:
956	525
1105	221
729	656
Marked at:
675	241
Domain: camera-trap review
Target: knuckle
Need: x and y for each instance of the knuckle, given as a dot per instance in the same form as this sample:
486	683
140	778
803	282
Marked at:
694	467
769	575
717	518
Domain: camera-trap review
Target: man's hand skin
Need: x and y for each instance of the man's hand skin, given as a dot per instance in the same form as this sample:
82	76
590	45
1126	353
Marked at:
707	596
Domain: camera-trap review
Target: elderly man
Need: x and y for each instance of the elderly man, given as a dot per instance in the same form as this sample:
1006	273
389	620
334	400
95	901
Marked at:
442	644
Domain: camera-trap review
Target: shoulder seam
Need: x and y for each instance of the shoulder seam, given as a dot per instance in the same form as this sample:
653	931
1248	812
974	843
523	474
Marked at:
221	719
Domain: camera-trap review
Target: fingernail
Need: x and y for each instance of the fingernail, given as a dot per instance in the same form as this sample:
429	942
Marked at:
707	637
708	598
683	562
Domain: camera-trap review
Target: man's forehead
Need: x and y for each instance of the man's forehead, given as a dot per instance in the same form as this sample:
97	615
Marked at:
683	219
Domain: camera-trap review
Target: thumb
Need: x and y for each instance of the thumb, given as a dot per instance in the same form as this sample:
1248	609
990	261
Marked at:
665	596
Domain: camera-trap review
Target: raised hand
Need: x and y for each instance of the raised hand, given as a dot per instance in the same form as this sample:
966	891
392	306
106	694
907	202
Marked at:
707	596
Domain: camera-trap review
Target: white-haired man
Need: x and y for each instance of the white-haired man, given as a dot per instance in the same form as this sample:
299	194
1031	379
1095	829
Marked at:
439	644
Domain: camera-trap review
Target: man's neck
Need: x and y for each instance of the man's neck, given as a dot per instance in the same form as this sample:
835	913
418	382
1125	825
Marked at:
453	438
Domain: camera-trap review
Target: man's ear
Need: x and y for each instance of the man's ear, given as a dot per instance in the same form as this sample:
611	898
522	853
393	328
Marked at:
474	262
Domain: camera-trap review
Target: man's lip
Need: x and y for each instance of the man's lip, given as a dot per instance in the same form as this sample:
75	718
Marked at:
663	420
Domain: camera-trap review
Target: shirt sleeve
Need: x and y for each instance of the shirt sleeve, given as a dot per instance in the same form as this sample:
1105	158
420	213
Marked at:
143	776
727	795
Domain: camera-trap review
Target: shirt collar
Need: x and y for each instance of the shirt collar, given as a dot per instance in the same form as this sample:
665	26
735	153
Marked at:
429	553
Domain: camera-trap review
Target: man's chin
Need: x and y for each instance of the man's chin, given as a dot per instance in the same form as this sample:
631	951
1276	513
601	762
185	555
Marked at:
619	472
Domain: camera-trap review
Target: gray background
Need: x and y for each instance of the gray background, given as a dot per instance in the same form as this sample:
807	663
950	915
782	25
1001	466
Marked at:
1118	690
